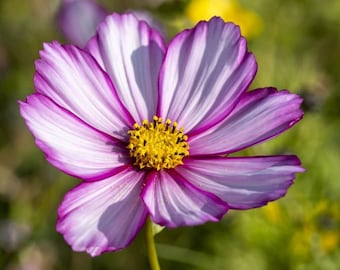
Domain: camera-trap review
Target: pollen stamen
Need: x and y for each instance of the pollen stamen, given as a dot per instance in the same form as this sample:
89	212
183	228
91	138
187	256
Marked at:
157	145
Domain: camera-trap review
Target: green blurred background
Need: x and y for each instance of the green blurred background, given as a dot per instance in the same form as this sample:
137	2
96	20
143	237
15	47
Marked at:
297	46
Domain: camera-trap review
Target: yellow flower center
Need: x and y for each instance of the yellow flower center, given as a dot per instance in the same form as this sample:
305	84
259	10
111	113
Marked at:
157	145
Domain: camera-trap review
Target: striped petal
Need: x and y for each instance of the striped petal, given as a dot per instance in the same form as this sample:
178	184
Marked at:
242	183
205	71
103	216
74	80
173	202
131	53
70	144
260	115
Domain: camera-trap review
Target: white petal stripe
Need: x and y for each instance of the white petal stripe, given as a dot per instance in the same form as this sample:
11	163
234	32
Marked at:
69	144
131	53
173	202
103	216
260	115
74	80
242	182
205	71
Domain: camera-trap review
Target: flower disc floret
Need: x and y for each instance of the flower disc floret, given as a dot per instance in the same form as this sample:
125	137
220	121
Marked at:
158	145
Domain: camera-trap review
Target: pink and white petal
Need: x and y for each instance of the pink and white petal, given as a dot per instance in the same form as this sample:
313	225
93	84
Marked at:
174	202
242	182
94	50
146	16
131	53
103	216
70	144
74	80
205	71
260	115
78	20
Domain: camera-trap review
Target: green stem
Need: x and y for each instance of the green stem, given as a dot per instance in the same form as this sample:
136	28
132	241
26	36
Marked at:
152	253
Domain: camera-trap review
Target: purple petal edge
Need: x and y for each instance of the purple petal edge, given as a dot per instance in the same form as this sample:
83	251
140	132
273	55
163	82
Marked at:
49	153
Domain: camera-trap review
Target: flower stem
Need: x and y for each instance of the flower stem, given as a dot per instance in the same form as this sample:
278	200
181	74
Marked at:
152	253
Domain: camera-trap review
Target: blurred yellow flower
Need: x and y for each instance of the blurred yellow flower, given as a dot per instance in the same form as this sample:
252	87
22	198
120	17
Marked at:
272	212
301	241
319	231
230	10
329	215
329	241
321	207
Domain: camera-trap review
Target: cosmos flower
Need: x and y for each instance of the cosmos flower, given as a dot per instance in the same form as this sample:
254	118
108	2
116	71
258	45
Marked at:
149	127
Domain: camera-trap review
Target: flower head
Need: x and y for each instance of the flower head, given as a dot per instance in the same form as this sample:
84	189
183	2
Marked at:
148	128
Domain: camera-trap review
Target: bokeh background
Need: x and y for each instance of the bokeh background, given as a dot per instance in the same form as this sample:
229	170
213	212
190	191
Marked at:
297	46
